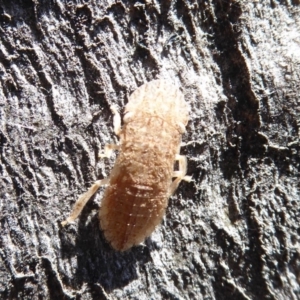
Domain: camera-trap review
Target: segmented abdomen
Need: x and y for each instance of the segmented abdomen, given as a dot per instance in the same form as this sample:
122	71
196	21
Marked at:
129	213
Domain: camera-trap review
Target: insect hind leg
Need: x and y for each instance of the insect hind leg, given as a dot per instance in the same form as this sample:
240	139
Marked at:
83	199
180	174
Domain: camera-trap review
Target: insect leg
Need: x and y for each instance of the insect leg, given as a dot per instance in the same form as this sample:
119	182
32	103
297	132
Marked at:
83	199
180	174
108	149
117	120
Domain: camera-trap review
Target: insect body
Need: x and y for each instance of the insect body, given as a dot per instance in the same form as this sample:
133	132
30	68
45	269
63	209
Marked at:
141	182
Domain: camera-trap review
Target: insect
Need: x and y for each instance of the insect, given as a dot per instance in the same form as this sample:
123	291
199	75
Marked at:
143	177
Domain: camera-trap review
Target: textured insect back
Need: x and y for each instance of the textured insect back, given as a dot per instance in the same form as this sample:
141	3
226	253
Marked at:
141	180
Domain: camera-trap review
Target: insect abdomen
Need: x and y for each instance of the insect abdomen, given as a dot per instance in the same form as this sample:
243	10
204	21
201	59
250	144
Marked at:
129	213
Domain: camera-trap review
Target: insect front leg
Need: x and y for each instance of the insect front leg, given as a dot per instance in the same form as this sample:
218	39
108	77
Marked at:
180	174
83	199
109	148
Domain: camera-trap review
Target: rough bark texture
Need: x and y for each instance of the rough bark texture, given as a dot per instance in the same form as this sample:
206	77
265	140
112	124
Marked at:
231	234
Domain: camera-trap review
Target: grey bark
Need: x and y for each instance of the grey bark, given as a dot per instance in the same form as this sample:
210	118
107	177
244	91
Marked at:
233	233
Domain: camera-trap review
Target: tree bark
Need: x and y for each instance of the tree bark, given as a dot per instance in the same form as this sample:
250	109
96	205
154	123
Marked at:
233	233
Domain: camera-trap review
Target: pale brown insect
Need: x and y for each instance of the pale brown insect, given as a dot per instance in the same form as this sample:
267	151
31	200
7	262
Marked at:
141	182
